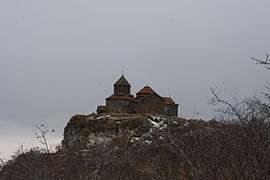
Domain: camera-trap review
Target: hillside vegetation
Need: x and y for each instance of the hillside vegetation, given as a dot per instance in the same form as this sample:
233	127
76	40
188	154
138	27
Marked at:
123	146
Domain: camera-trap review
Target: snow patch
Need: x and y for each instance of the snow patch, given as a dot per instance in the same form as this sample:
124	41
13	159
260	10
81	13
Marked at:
156	124
159	125
161	138
186	124
101	117
134	140
155	118
99	139
148	142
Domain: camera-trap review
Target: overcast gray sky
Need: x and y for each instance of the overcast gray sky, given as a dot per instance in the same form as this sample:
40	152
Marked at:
60	57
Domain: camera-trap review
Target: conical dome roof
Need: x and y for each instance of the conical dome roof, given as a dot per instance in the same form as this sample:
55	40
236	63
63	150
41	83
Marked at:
122	81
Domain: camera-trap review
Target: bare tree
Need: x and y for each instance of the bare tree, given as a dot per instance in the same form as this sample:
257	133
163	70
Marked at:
42	134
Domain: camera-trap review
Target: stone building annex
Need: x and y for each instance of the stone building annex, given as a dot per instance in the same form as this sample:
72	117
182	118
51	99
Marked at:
146	101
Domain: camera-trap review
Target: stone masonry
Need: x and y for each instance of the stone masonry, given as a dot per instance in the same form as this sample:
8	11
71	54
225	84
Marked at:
146	101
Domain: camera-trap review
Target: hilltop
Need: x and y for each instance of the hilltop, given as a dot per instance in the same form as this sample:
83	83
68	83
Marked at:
133	146
85	131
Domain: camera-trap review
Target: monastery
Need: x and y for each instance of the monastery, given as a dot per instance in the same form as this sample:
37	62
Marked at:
146	101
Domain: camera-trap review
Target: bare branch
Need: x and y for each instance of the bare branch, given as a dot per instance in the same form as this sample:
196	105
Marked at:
217	100
265	62
42	133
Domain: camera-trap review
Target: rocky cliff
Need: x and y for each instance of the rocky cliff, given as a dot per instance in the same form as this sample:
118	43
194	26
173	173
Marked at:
86	131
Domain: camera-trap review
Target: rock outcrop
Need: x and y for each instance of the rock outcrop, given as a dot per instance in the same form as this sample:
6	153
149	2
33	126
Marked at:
86	131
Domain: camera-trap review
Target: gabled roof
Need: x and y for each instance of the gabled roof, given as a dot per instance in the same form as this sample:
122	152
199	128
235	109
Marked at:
122	81
121	96
168	100
151	95
146	90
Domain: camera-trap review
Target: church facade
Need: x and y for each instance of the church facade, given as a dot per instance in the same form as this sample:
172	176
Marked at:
146	101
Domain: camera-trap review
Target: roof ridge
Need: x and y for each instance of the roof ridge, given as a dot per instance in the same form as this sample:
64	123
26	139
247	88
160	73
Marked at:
168	100
146	90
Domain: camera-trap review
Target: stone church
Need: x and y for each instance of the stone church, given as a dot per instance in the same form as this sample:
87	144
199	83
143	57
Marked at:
146	101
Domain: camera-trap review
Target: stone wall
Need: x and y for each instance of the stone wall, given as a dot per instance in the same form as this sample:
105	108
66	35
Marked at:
121	89
172	110
118	105
154	104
